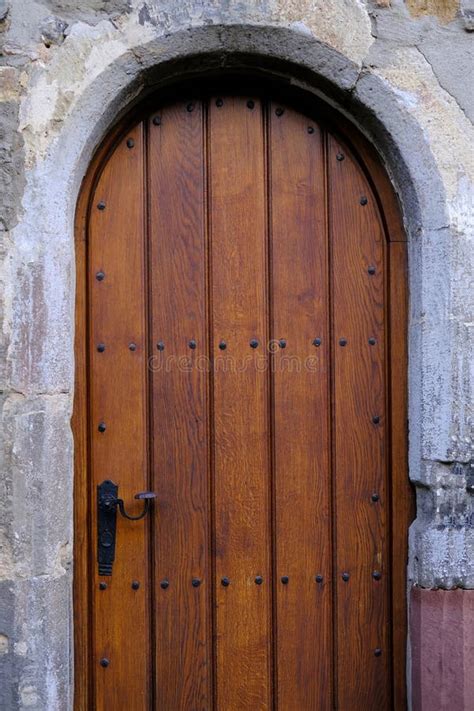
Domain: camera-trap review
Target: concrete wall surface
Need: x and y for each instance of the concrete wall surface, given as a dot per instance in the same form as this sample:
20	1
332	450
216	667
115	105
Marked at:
402	72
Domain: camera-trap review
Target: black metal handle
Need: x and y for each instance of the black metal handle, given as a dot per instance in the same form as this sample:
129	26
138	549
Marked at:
107	504
146	496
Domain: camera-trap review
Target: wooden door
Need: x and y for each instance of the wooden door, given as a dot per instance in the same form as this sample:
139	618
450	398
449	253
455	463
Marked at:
241	353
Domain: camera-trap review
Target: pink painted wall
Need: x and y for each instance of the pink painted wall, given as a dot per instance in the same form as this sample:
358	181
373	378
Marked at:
442	646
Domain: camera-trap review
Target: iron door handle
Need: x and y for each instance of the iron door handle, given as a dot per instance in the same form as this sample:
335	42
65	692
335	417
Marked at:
107	504
146	496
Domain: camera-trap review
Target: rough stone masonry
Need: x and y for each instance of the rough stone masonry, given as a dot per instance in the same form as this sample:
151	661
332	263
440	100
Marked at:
402	71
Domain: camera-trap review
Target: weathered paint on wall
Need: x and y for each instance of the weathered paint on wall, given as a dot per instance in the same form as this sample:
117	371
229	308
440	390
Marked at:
67	70
442	644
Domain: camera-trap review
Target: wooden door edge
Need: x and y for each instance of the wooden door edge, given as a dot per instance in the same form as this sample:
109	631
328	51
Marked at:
82	552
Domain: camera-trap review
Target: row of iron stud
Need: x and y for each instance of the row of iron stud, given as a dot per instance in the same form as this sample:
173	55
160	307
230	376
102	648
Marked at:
285	579
225	581
254	343
223	345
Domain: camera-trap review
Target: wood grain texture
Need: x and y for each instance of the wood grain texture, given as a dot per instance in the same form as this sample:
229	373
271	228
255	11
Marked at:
300	309
402	496
80	422
360	468
183	643
117	315
237	223
241	417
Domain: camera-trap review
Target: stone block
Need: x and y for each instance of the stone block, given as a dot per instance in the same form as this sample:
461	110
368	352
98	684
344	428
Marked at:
36	487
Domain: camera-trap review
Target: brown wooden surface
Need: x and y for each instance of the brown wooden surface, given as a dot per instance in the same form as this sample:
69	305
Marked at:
118	390
359	445
300	310
79	422
402	497
254	230
241	450
180	408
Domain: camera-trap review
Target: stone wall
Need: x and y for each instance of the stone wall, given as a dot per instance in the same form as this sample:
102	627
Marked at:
402	71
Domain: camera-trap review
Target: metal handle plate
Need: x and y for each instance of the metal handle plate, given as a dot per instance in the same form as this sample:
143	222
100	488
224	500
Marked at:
107	504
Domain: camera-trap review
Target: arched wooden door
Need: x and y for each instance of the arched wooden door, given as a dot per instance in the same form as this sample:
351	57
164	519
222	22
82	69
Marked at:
244	359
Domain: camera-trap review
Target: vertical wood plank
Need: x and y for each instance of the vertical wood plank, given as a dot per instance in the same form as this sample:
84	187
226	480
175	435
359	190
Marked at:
79	423
241	449
401	489
183	644
118	399
301	412
357	241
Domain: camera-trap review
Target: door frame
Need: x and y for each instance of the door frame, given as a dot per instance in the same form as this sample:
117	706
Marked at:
401	491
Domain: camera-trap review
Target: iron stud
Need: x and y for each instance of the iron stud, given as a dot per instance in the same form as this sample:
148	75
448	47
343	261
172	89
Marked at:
160	345
375	497
319	578
135	584
345	577
222	345
343	341
192	344
132	346
372	341
100	276
219	102
225	582
363	200
157	120
378	652
250	103
279	111
317	342
254	343
195	582
258	580
101	205
371	270
285	579
102	586
164	585
340	156
310	129
104	662
130	142
282	343
376	419
377	575
101	347
102	427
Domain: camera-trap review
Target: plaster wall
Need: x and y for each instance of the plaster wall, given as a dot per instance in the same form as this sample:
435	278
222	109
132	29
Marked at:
399	70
